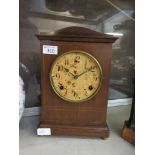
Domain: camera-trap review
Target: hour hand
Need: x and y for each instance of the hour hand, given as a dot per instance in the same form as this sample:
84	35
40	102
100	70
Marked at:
67	70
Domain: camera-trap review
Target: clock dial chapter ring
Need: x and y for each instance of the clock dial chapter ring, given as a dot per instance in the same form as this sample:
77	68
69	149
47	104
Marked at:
80	79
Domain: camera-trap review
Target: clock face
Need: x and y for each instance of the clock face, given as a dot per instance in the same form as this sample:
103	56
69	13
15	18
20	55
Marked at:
76	76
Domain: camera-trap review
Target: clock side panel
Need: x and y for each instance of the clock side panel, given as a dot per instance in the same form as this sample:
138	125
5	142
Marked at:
59	112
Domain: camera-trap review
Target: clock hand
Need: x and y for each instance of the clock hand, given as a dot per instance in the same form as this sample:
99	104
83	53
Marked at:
76	76
67	70
89	69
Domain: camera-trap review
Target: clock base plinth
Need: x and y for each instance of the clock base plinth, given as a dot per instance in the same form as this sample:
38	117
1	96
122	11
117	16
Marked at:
128	134
93	131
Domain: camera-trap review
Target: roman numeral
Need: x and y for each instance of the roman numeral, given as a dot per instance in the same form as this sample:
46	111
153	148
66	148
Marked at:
74	94
60	68
73	84
85	65
57	75
66	61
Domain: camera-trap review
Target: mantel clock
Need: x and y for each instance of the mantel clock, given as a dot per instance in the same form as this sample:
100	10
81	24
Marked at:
75	71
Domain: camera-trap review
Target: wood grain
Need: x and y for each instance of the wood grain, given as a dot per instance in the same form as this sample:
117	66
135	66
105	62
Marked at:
86	118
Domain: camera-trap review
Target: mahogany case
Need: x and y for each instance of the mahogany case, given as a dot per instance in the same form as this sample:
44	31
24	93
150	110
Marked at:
87	118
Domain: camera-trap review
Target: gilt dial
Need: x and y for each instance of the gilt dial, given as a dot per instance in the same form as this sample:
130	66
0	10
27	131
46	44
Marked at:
76	76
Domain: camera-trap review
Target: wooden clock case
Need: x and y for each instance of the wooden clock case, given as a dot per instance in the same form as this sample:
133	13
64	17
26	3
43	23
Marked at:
86	118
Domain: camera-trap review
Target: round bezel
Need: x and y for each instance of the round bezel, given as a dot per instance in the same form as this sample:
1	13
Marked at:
81	52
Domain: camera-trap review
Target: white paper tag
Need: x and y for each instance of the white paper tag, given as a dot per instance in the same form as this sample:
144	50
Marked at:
43	131
48	49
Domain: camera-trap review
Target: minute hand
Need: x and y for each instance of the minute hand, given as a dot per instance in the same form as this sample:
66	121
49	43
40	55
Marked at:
89	69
